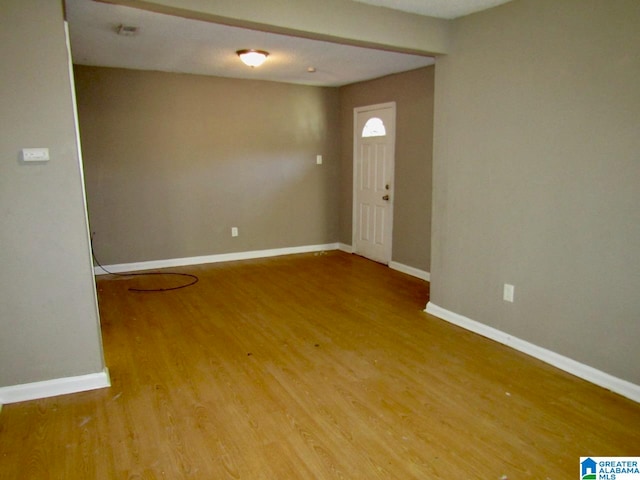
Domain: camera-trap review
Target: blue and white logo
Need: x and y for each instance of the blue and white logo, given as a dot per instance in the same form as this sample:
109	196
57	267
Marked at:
610	468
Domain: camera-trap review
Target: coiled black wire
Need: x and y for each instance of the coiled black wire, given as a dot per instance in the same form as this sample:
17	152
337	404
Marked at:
194	278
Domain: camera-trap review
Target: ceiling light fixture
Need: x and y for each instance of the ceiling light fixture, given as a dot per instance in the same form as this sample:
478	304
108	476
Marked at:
253	58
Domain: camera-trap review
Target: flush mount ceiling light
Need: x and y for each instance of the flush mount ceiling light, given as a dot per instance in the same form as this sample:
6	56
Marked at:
253	58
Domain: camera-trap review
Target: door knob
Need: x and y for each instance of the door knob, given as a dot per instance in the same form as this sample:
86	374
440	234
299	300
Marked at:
386	197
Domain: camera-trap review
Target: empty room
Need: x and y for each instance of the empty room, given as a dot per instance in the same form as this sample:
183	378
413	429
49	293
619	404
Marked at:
403	244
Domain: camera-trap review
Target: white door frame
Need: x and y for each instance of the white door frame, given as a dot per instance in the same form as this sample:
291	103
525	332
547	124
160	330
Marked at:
356	137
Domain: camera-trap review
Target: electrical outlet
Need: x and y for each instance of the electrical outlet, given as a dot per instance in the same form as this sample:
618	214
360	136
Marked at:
234	231
508	292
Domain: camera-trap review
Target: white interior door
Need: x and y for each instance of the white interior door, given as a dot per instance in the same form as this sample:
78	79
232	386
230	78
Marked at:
374	150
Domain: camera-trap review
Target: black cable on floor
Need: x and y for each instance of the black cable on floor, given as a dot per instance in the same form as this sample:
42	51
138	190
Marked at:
194	278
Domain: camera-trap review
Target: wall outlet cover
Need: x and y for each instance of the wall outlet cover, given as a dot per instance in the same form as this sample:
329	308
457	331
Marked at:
508	292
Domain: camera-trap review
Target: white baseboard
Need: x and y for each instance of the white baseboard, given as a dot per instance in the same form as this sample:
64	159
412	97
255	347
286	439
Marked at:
53	388
343	247
590	374
414	272
223	257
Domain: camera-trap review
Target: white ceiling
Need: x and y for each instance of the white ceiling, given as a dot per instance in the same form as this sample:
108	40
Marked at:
175	44
448	9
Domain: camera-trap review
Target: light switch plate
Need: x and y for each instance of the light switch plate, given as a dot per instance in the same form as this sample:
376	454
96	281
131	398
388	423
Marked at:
35	154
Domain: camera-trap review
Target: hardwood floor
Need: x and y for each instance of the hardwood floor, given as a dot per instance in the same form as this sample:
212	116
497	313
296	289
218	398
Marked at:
314	366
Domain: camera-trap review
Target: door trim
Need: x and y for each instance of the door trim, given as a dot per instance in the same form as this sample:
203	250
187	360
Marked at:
354	213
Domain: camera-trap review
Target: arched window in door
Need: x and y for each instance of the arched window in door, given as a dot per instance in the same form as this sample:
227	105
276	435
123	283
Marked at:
374	128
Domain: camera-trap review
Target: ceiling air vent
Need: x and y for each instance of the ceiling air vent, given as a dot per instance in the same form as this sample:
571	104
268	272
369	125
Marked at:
127	30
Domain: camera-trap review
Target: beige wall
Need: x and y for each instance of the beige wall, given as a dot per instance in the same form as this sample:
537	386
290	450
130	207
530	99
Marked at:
174	161
48	314
413	94
537	176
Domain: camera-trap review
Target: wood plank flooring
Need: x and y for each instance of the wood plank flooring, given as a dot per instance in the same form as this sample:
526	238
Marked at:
314	366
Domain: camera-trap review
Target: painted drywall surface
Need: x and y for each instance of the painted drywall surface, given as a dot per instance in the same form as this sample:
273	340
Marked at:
48	312
335	20
173	162
537	177
413	94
